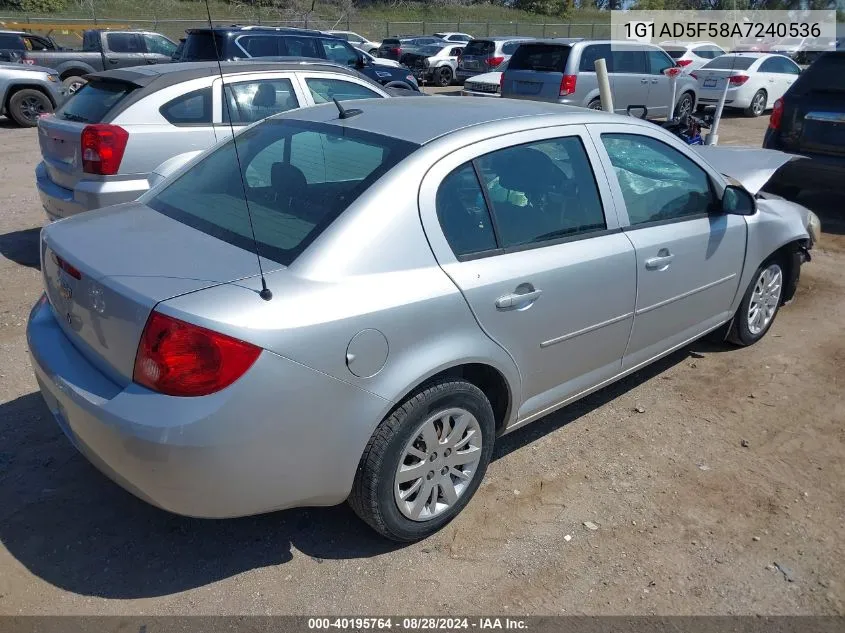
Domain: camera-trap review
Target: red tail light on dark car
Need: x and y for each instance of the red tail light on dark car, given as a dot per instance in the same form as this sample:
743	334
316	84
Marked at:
181	359
103	146
777	115
492	62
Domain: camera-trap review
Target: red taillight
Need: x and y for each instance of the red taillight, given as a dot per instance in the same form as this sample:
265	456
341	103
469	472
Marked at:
180	359
777	115
102	148
683	62
494	61
396	51
738	80
567	85
69	269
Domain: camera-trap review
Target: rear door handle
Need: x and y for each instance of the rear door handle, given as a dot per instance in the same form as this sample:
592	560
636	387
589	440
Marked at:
661	262
113	61
654	81
515	300
643	81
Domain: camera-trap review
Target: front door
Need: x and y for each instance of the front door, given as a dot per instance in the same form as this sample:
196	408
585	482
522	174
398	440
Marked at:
689	257
659	89
527	230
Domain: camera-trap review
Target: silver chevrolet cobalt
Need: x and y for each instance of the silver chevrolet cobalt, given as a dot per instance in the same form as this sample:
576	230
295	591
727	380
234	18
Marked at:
438	272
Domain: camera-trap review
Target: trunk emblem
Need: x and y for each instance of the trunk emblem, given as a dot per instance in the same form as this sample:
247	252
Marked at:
65	290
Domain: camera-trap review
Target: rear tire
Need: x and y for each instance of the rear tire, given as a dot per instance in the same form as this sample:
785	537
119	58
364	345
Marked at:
758	104
760	305
595	104
73	83
25	106
448	427
684	105
443	76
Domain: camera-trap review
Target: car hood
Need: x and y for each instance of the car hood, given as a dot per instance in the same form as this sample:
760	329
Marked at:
381	61
27	68
752	167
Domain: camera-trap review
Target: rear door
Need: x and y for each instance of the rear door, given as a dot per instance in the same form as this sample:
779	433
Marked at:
527	230
124	50
629	77
659	90
535	71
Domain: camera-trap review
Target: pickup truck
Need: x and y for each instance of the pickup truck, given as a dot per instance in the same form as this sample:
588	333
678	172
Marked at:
103	50
13	44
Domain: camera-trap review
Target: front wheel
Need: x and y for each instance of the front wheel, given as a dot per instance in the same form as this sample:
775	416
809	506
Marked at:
760	305
27	105
684	106
425	461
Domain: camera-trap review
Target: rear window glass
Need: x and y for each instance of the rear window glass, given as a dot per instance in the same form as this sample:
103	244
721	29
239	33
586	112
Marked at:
540	57
199	46
675	53
480	47
299	176
730	62
390	42
827	73
94	101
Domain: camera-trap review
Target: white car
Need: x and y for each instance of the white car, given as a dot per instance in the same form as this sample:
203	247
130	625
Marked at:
486	85
454	37
435	63
755	80
358	41
692	55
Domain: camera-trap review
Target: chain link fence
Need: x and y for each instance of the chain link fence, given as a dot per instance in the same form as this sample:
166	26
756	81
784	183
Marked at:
374	30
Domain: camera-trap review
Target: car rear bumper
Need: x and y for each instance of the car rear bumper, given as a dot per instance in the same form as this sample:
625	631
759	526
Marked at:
281	436
60	202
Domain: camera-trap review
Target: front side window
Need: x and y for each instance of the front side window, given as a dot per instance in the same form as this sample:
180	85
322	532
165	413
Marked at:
658	182
251	101
658	61
324	90
159	45
193	108
300	176
340	52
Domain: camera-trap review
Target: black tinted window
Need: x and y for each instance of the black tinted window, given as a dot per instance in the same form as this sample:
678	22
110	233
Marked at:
826	74
595	52
14	42
508	48
730	62
260	45
540	57
480	48
302	47
125	43
463	214
630	61
657	181
542	191
340	52
299	177
678	53
93	101
200	46
193	108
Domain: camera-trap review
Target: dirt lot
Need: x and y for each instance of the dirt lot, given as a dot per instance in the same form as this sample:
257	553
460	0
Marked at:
689	521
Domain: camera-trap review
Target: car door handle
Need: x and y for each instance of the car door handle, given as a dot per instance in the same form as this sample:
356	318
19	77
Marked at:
518	299
152	61
643	81
654	81
661	262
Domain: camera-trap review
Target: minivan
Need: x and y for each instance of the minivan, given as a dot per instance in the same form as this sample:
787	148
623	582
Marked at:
563	71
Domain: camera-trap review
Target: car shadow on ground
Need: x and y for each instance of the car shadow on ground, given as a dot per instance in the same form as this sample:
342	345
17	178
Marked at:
72	527
21	247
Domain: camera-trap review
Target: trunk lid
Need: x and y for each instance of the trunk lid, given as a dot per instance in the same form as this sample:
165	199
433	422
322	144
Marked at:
128	258
752	167
814	109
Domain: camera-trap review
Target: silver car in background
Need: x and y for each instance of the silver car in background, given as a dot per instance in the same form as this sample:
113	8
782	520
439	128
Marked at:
27	92
563	71
102	145
486	53
358	41
425	289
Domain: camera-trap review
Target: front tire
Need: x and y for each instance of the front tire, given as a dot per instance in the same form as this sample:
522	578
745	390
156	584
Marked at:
758	104
425	461
27	105
684	106
760	305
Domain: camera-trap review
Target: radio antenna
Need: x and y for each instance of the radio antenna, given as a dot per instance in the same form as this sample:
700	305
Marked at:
265	291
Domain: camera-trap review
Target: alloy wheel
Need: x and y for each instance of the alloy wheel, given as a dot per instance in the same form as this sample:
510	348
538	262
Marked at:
765	299
32	107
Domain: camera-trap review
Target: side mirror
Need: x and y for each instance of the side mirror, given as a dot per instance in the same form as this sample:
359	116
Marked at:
737	201
360	62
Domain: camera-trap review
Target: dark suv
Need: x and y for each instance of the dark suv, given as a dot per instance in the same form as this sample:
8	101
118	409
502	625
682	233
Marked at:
810	120
245	42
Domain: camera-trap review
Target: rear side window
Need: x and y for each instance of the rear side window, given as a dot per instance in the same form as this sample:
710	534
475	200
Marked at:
301	47
251	101
540	57
260	45
463	214
14	42
629	61
677	53
826	74
730	62
300	177
93	102
193	108
125	43
480	48
509	47
200	46
592	53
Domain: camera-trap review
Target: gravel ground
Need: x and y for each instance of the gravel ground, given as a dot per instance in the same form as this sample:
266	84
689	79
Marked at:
714	480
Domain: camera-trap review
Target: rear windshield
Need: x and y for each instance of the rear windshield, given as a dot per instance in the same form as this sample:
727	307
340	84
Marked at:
675	53
390	42
298	176
730	62
199	47
12	41
540	57
94	101
480	48
827	74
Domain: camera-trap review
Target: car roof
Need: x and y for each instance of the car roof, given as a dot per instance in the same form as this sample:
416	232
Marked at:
502	38
683	44
238	28
163	75
436	117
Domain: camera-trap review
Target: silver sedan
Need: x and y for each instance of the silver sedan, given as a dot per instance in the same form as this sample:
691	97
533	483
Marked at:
423	290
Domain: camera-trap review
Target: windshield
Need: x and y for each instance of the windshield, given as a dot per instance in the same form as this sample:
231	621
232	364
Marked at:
299	177
93	101
730	62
